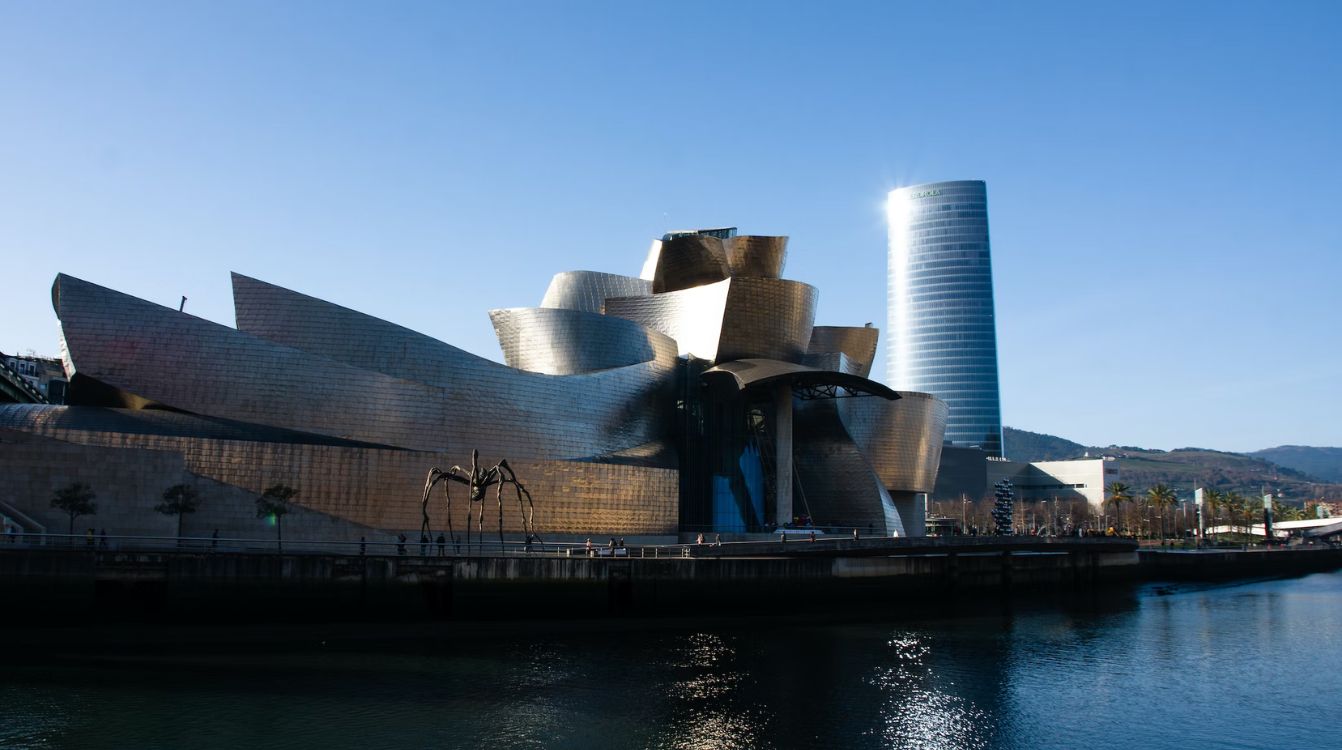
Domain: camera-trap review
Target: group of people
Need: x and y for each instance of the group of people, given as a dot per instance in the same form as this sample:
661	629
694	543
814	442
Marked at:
426	543
612	545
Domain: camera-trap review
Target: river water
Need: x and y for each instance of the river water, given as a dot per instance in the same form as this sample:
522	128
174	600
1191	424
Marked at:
1250	665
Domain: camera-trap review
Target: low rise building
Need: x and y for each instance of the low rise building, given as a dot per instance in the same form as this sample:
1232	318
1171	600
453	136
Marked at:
44	374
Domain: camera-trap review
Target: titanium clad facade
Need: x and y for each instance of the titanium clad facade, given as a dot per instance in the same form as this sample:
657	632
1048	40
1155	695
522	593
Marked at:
943	338
689	261
365	488
756	255
738	318
858	345
899	438
702	397
571	342
589	290
693	317
838	483
459	402
767	319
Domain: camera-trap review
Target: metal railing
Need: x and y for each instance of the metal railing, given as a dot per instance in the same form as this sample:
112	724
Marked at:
380	547
797	540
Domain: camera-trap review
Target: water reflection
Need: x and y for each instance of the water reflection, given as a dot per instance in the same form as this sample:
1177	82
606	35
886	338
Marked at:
917	712
709	709
1154	670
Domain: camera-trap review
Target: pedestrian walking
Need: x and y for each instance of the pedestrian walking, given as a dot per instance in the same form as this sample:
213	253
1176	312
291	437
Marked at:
423	545
442	545
363	546
400	544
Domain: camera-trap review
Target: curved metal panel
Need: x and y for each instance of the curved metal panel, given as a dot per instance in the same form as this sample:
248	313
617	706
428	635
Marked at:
756	255
650	262
589	290
836	481
689	261
858	344
755	373
739	318
569	342
901	439
767	319
692	317
394	387
836	361
48	419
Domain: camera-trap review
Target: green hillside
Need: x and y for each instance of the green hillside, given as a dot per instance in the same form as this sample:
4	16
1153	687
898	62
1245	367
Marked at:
1023	445
1324	463
1182	469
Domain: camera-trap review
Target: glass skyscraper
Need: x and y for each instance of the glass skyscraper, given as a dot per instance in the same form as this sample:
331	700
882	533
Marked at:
943	337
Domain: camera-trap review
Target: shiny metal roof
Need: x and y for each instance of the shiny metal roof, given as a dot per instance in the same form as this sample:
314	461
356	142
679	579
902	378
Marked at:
750	373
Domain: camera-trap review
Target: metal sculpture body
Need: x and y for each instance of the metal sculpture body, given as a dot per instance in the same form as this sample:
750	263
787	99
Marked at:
478	480
1004	507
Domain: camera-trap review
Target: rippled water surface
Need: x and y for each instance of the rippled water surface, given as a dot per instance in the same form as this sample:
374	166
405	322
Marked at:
1255	665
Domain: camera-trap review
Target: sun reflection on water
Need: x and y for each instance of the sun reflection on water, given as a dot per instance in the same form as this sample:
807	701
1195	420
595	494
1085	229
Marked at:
710	706
917	712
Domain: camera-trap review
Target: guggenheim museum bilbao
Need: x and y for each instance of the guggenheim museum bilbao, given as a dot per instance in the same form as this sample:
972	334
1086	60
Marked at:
698	396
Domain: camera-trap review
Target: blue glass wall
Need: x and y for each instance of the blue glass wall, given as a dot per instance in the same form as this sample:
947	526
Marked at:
943	337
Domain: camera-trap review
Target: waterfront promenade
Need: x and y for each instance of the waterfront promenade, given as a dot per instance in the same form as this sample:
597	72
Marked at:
205	579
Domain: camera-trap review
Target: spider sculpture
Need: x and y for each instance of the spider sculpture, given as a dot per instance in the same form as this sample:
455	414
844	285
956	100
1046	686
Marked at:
478	480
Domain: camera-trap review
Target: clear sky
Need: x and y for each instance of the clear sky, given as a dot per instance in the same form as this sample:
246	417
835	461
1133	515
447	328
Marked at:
1163	178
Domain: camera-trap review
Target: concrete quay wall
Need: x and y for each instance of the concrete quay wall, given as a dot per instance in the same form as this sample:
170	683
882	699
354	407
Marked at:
60	584
1225	564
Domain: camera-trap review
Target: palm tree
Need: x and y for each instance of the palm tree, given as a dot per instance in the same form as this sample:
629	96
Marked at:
1284	512
1119	494
1233	502
1212	501
274	503
1248	508
1162	498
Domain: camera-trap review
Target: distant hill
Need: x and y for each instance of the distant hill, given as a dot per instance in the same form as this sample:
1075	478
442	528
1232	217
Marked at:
1023	445
1183	468
1324	463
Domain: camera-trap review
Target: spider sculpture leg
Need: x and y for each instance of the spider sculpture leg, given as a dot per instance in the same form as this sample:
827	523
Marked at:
429	482
454	475
528	512
530	521
480	525
499	496
447	501
470	504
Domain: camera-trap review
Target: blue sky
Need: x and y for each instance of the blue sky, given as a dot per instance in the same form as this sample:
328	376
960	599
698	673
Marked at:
1163	178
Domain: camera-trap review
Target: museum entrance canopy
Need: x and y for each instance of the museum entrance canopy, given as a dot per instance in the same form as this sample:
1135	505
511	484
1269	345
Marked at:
807	382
